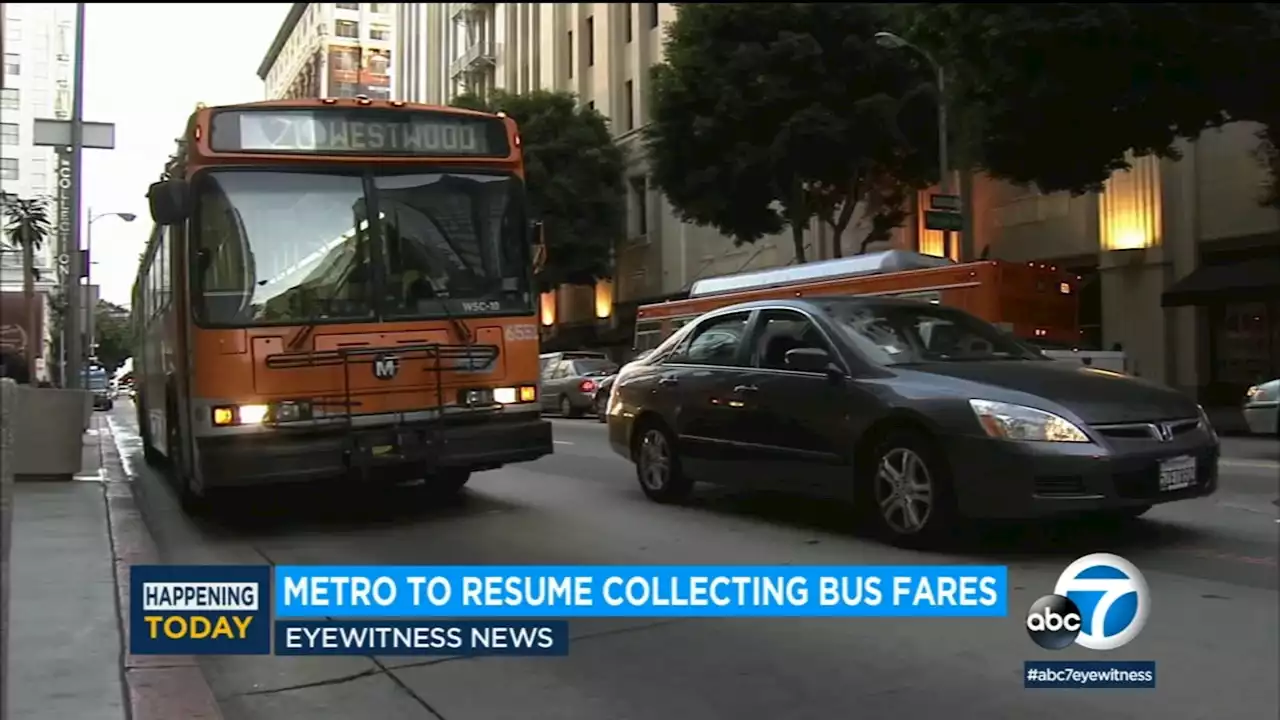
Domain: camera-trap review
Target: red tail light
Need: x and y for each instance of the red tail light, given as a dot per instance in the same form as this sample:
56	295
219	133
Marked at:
587	386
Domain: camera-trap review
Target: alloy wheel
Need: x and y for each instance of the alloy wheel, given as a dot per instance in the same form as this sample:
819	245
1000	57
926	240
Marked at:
904	491
655	460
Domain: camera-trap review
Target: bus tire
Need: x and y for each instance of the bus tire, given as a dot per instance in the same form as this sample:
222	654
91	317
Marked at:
445	483
149	453
194	502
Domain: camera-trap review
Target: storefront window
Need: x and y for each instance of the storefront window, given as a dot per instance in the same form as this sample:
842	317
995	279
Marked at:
1246	343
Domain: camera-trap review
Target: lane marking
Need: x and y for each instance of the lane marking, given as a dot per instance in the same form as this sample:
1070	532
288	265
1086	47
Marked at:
1263	464
562	442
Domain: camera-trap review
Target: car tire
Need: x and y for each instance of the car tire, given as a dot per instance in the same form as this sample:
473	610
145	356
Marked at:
657	461
567	409
907	491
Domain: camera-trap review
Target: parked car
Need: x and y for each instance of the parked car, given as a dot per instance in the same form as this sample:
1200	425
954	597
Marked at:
1262	408
569	382
100	385
920	414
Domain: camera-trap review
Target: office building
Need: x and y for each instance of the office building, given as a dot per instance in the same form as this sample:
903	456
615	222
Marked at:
331	50
1154	232
38	43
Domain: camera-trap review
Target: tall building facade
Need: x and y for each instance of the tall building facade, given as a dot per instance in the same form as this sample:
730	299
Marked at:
39	40
1165	234
331	50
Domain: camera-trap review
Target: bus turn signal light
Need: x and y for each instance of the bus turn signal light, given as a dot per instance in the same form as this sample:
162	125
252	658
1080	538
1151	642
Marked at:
224	416
239	415
513	395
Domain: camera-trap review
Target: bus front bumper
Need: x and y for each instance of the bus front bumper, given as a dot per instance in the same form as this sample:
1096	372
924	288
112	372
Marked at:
396	453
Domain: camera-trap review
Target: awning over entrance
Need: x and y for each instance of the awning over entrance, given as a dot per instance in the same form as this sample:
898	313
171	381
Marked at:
1257	279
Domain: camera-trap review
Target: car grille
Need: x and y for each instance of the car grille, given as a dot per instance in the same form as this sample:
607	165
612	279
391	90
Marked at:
1162	431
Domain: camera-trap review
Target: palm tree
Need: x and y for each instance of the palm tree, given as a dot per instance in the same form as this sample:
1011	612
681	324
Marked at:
28	229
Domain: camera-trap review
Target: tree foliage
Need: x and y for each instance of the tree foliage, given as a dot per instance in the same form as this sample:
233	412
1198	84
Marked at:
574	175
113	334
1058	93
27	228
768	115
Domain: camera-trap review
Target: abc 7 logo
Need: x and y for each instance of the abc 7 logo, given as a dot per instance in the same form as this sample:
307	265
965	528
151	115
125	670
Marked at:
1116	599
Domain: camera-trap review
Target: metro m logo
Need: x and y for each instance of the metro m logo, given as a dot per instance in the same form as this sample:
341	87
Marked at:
385	367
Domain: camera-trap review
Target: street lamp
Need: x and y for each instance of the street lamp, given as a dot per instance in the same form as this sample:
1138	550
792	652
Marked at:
897	42
88	249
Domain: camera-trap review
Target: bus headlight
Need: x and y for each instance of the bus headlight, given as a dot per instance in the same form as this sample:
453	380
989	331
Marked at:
513	395
287	411
252	414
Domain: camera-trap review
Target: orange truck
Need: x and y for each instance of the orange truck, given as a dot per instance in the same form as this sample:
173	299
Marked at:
339	289
1034	301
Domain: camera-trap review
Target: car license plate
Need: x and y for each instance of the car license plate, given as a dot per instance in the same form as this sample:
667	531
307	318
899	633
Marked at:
1177	473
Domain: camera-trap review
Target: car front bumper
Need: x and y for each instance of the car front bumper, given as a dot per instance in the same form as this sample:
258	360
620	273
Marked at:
1000	479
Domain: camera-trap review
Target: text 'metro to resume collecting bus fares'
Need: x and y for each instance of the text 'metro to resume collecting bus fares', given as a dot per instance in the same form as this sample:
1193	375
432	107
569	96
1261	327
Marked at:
339	287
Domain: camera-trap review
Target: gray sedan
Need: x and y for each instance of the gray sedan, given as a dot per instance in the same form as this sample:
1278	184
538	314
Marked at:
919	414
569	385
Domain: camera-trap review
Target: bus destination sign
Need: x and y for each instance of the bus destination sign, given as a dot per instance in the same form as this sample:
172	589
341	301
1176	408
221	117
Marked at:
342	131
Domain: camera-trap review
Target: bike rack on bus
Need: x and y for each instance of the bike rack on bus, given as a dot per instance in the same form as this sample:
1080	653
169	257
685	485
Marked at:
438	357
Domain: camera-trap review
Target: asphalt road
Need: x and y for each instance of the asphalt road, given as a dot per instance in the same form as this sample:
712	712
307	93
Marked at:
1211	565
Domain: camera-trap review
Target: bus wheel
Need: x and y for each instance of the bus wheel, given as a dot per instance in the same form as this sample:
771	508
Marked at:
193	501
444	484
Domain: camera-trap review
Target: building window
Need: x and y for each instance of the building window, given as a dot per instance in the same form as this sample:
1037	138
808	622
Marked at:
626	15
570	54
591	41
639	207
8	168
379	32
629	104
12	30
9	99
379	8
12	64
347	29
8	133
653	14
348	6
38	182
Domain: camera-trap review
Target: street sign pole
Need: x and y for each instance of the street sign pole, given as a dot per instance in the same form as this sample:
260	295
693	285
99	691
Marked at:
70	138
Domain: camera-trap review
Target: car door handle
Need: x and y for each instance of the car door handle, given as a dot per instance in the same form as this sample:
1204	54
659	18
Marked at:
742	389
668	381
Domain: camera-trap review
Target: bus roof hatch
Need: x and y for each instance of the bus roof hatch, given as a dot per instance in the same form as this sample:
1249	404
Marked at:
869	264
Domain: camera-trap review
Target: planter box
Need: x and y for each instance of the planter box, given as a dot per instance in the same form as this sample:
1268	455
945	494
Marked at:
48	432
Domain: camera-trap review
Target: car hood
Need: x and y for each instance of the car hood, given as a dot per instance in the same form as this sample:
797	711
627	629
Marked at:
1097	396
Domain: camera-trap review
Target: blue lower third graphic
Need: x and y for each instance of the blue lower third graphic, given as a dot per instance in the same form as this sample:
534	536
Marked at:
200	610
1089	674
422	637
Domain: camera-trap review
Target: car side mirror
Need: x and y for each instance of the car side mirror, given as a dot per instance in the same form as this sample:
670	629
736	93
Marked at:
170	201
815	360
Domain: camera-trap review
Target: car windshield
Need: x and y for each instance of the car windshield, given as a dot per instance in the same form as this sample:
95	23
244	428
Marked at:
907	333
293	247
594	367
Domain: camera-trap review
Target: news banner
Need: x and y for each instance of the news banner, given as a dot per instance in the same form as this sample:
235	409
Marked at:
463	611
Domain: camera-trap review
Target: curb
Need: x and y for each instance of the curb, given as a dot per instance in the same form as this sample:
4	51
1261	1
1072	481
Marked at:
159	687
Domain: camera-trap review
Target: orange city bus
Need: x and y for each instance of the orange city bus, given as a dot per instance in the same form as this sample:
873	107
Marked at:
1034	301
339	288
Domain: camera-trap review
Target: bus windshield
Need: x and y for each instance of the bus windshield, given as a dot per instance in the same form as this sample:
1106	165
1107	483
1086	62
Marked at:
276	247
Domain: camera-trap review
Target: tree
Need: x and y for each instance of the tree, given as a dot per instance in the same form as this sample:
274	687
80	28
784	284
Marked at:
768	115
1058	93
574	178
28	228
113	335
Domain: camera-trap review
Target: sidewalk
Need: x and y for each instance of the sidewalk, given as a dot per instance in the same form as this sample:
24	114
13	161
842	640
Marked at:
68	637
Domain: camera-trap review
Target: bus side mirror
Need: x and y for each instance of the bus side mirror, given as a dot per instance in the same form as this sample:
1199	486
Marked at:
170	201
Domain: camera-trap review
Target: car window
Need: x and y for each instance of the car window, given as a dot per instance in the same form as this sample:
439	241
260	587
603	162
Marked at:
594	366
913	333
780	331
562	370
716	342
549	368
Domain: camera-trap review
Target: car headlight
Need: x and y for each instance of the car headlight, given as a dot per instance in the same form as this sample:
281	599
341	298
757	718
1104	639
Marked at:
1017	422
